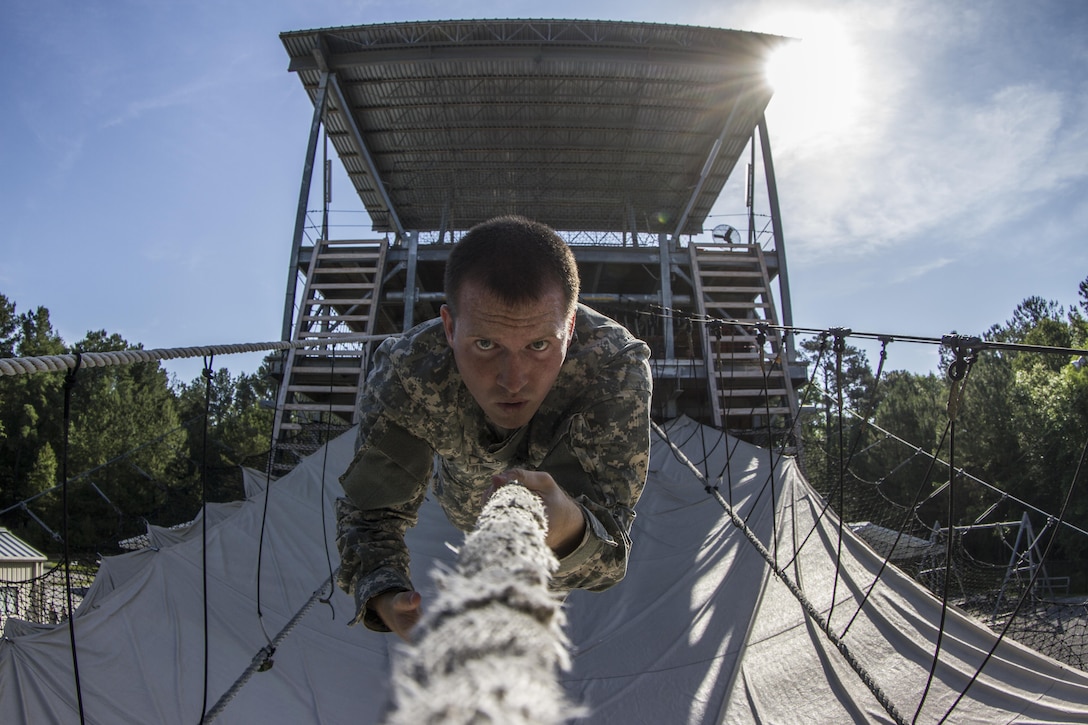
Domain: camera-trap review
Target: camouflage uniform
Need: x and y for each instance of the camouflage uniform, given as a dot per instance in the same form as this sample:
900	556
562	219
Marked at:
591	434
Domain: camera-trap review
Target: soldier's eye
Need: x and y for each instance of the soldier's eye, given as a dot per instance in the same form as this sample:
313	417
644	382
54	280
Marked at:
539	345
484	344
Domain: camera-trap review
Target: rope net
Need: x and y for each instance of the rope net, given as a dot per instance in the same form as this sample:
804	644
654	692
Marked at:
989	562
1018	565
43	600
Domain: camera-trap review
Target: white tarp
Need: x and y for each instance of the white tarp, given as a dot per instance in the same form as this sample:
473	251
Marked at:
699	632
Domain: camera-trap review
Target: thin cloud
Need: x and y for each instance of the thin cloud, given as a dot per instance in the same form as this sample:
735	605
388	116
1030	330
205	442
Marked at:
193	94
911	273
952	165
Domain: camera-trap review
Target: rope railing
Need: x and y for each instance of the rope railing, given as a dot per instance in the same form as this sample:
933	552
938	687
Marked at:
60	363
262	660
938	488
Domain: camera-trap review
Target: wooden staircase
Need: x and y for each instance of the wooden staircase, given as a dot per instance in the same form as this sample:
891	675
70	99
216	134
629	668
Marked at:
747	377
321	383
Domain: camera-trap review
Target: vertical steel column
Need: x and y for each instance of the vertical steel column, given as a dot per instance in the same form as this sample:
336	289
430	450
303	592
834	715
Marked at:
364	154
776	223
411	291
303	201
708	164
664	250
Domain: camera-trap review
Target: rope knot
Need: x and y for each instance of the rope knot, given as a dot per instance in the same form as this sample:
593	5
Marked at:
70	378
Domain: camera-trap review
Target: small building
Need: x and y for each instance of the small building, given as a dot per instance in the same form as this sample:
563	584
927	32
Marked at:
20	566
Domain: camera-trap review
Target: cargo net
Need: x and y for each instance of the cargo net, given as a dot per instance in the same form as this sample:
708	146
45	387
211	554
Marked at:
43	600
994	570
1012	552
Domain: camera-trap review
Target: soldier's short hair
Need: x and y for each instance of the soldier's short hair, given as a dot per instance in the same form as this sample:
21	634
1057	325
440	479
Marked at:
516	259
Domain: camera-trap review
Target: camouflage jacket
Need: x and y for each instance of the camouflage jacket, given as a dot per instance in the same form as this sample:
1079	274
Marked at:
591	434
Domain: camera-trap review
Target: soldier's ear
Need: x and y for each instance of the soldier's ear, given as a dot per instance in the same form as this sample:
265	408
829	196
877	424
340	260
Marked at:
447	322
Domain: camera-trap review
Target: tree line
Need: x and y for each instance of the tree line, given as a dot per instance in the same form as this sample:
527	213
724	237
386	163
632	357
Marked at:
1020	423
135	447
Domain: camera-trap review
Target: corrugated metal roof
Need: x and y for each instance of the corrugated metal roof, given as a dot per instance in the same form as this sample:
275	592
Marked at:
12	548
585	125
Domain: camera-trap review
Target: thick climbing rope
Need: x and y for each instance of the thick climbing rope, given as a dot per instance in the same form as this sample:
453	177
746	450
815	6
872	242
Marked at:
56	363
490	647
810	609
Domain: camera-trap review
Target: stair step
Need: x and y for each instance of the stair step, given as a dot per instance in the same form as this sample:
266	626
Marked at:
727	248
335	318
319	408
722	305
323	301
359	274
731	412
358	242
754	378
750	372
752	392
321	286
328	347
755	292
342	267
347	256
741	357
748	341
323	389
311	370
319	331
727	272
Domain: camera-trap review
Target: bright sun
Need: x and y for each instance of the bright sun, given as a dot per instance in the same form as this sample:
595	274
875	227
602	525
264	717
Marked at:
817	80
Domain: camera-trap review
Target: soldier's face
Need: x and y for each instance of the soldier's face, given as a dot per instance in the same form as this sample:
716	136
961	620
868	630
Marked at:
509	357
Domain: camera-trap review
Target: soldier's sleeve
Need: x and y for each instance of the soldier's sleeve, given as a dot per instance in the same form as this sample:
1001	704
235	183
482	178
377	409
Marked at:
373	556
384	487
601	461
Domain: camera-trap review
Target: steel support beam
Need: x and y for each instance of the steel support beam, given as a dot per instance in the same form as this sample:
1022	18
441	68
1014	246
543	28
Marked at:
365	155
711	157
300	211
664	248
776	223
411	289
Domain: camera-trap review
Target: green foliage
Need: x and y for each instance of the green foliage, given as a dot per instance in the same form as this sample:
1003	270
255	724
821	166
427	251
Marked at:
27	402
43	474
238	423
1018	421
9	323
830	432
134	445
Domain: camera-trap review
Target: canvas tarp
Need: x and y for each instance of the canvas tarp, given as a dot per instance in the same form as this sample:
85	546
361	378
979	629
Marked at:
701	631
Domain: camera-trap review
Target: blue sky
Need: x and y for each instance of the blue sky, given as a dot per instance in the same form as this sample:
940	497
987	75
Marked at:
150	156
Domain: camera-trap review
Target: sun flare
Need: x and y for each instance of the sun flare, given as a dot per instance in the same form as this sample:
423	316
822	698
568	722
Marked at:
817	80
